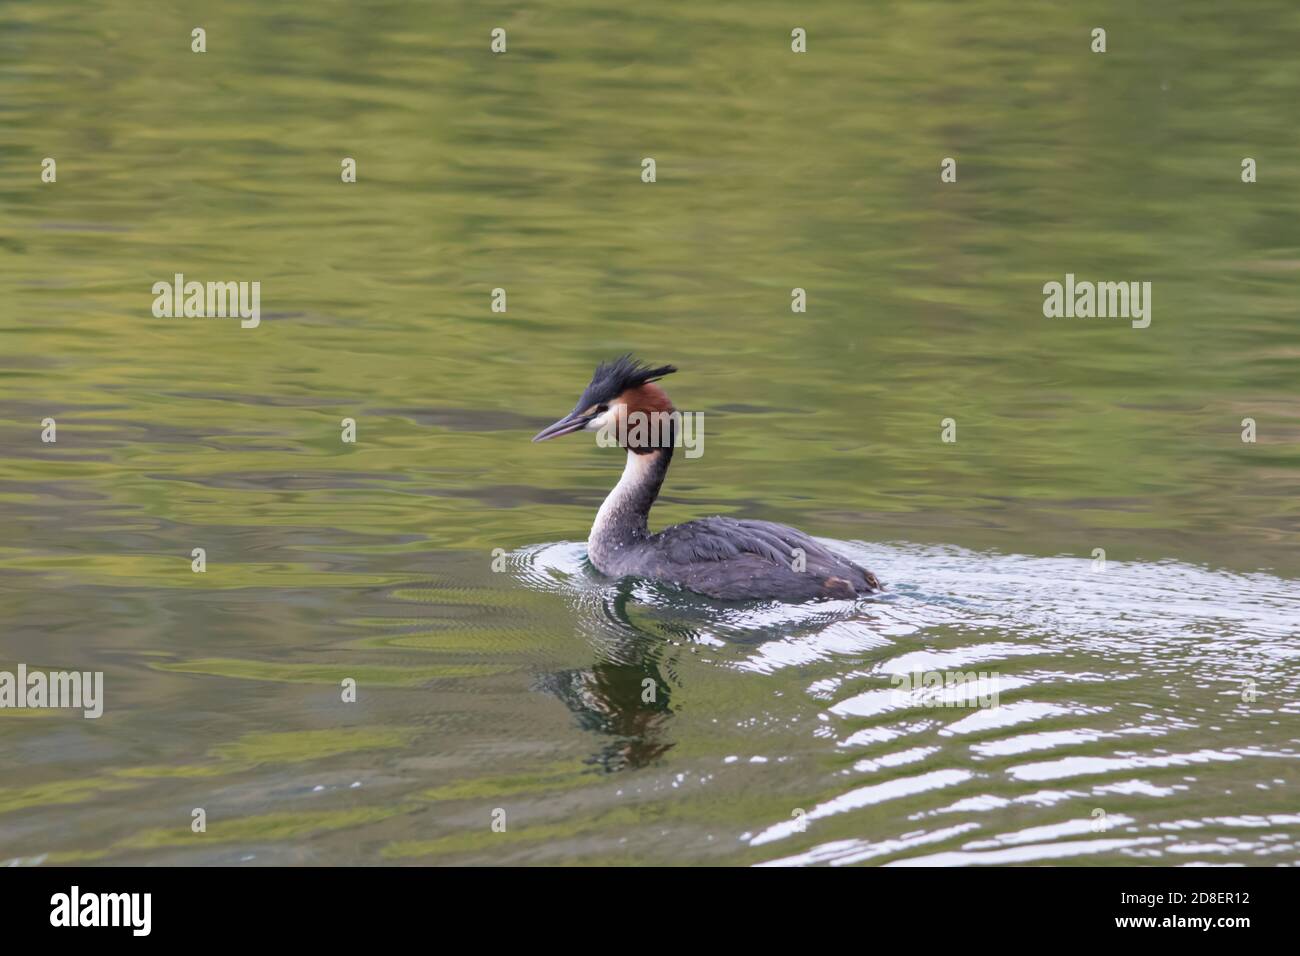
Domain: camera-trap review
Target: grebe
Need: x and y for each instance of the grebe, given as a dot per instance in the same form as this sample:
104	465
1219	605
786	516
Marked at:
724	558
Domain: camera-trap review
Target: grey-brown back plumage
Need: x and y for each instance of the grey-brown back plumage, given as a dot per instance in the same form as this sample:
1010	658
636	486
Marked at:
740	559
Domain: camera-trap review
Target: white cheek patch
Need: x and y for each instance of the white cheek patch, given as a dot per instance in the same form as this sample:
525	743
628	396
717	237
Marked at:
608	419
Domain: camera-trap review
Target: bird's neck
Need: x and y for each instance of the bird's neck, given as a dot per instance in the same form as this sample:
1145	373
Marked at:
623	519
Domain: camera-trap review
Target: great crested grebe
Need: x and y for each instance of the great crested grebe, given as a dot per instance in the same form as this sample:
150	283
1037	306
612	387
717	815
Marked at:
723	558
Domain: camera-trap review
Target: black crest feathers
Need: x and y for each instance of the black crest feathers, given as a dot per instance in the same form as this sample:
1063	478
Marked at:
612	379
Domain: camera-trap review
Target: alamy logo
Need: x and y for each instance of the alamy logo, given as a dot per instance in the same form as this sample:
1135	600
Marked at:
655	430
37	689
103	909
1102	300
946	689
211	300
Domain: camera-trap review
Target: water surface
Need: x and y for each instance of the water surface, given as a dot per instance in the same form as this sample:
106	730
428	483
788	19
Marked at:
1161	689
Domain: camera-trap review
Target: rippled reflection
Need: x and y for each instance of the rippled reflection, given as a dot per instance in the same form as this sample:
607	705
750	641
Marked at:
1134	688
624	695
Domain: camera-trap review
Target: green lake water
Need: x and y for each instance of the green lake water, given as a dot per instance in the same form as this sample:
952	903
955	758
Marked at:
438	561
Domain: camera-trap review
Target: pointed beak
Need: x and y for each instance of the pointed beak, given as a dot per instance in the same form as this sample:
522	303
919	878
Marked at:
565	426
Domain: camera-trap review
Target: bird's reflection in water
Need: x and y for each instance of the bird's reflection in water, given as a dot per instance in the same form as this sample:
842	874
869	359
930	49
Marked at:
637	629
626	694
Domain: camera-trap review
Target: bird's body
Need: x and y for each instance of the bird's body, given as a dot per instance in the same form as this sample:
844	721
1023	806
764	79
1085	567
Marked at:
726	558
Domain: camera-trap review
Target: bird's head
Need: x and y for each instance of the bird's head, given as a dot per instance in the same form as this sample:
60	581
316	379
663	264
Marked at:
618	390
